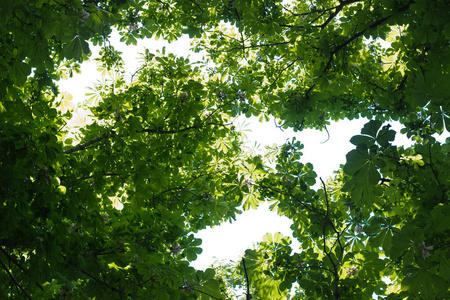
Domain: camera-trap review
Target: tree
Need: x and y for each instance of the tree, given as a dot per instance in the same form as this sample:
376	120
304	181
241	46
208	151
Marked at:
109	211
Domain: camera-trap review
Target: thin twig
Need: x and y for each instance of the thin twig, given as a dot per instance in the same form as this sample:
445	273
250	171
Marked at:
309	91
19	266
209	295
112	135
15	281
316	267
327	253
328	135
311	209
102	282
285	68
256	46
436	175
196	4
357	35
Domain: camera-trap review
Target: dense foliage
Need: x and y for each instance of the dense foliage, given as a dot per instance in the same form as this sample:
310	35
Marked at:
109	210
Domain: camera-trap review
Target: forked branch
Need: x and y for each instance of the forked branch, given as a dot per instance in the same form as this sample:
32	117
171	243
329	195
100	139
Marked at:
15	280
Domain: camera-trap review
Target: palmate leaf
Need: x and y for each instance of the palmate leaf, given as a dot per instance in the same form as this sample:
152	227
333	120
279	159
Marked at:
210	288
371	128
357	159
363	162
385	136
362	139
370	134
361	166
75	48
423	282
301	48
362	184
20	72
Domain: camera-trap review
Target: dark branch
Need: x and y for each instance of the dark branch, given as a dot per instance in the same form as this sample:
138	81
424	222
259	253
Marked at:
23	22
196	4
14	279
285	68
309	91
311	209
316	267
105	174
327	253
336	12
209	295
87	144
359	34
402	84
19	266
248	295
102	282
367	80
436	175
113	135
257	46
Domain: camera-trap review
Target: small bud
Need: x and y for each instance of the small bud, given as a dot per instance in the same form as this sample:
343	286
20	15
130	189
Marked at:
133	27
175	249
352	271
220	94
105	217
74	228
183	97
135	259
358	229
242	96
247	182
425	250
84	16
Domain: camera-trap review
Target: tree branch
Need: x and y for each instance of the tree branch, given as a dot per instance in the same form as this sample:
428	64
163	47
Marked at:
120	291
17	264
196	4
104	174
358	34
209	295
336	12
335	264
316	267
298	200
112	135
23	22
436	175
257	46
248	295
285	68
15	281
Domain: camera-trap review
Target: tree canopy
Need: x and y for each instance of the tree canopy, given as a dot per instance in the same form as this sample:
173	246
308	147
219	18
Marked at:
110	210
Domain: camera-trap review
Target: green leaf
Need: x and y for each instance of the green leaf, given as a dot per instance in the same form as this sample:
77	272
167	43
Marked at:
20	72
212	288
385	136
371	128
356	159
362	139
75	48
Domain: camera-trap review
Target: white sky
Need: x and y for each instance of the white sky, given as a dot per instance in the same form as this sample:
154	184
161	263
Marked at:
229	241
